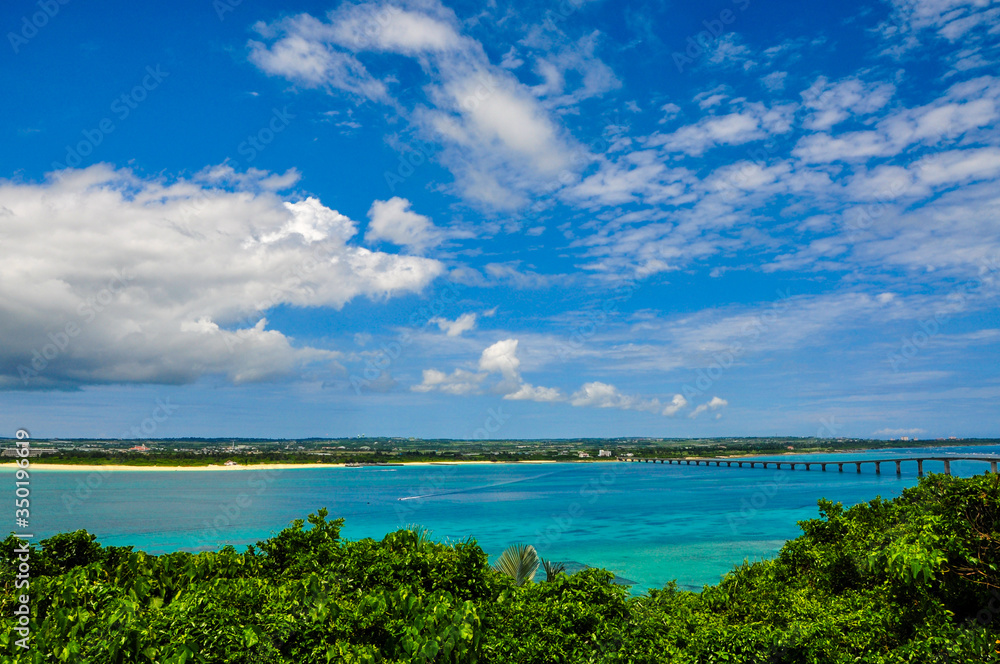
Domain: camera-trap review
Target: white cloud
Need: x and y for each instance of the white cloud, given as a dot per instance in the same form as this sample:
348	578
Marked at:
300	55
715	404
729	51
166	282
966	111
531	393
497	137
499	358
753	121
947	168
851	146
676	404
454	328
670	111
573	61
833	103
603	395
775	81
389	28
950	19
459	382
502	358
393	220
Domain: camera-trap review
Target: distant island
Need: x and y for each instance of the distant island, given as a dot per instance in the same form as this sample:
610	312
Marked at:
359	451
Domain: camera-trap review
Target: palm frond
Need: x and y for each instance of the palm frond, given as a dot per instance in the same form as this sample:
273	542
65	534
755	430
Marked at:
519	562
552	569
423	534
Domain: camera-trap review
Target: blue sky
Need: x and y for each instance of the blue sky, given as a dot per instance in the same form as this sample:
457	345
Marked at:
505	220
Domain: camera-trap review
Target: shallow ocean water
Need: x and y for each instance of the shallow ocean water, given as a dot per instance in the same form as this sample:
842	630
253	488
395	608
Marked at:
650	523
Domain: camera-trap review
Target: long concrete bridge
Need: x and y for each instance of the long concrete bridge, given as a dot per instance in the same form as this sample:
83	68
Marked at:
777	463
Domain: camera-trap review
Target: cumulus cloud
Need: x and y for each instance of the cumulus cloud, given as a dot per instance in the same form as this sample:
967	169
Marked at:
603	395
502	358
676	404
715	404
528	392
393	220
459	381
121	279
499	358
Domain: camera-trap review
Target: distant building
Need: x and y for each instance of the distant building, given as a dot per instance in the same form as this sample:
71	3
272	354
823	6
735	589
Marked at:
32	452
583	455
138	448
230	463
603	453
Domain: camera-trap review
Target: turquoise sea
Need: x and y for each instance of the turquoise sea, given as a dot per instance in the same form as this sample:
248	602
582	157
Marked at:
649	523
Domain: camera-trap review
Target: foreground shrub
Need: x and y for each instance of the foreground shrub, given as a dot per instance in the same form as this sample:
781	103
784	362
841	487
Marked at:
915	579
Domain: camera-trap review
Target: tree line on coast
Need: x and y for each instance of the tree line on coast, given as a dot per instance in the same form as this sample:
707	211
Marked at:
913	579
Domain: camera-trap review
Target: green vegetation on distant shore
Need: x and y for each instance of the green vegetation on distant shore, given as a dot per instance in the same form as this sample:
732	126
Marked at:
204	452
914	579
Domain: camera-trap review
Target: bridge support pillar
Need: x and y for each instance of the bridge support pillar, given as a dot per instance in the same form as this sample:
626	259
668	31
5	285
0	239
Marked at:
878	467
920	467
840	467
947	467
858	464
899	471
993	467
823	466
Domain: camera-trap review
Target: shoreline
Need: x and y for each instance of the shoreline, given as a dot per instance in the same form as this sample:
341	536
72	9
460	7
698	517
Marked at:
63	467
257	466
